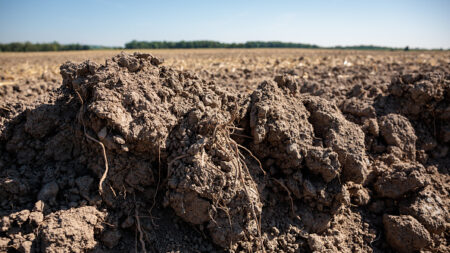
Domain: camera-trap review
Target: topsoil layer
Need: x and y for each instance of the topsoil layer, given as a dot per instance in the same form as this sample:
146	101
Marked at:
132	156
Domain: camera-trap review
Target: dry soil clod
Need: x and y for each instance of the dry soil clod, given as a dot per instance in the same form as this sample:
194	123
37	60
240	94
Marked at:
298	154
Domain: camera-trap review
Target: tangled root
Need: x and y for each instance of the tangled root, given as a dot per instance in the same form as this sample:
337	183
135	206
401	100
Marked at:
223	140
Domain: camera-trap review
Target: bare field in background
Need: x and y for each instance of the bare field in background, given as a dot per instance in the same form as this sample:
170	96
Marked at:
15	67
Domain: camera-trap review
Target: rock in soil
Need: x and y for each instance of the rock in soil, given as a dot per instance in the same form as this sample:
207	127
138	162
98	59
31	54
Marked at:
405	234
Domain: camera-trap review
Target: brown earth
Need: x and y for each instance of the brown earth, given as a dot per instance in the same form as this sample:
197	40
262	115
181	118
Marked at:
225	150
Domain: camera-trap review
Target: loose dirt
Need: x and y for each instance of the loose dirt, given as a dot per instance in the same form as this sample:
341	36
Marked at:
135	154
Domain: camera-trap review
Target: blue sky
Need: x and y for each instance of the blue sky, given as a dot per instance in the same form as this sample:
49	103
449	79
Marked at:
394	23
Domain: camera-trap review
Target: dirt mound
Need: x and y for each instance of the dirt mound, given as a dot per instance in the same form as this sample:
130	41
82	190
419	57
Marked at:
130	151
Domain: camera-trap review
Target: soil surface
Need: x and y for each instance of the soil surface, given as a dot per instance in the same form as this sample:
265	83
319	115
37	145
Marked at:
225	151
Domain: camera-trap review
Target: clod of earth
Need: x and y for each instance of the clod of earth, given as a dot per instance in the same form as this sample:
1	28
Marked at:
131	147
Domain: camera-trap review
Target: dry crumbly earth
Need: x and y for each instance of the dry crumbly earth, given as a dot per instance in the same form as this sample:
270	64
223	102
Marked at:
279	150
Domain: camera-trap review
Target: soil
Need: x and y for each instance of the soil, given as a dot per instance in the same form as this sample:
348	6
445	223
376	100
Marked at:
333	152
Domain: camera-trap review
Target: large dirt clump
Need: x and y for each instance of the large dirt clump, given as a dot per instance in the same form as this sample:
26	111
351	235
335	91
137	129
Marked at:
132	153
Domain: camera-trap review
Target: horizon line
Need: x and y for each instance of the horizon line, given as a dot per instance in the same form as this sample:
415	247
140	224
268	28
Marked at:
229	43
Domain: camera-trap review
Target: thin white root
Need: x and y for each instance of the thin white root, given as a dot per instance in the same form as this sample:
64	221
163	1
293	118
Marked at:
242	172
105	173
157	186
289	194
141	238
253	156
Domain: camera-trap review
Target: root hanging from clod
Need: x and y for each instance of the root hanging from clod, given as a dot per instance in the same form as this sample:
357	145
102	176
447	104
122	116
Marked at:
291	200
138	226
158	185
80	118
222	140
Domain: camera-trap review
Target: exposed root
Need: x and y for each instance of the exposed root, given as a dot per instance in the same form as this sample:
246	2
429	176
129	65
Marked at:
7	83
135	240
252	205
376	239
242	135
242	172
157	186
4	109
288	192
138	226
254	157
112	189
169	164
105	159
105	173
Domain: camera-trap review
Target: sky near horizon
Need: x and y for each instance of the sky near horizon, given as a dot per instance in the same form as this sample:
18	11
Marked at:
396	23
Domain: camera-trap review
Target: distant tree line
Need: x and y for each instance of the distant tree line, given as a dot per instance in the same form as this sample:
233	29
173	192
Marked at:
34	47
368	47
55	46
213	44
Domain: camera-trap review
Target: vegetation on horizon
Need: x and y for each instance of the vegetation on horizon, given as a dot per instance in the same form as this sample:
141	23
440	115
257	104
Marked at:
213	44
45	47
34	47
55	46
